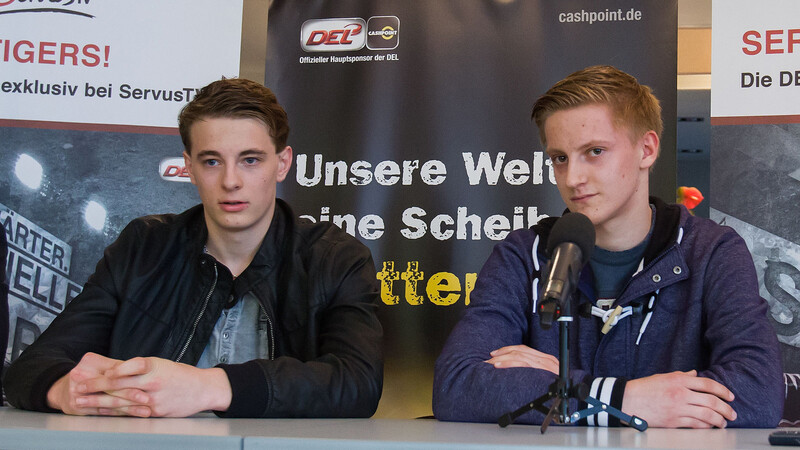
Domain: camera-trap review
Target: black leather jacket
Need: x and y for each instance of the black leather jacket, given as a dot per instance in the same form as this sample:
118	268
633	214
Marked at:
156	293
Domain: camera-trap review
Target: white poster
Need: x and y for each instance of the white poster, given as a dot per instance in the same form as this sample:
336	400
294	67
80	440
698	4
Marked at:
755	63
755	162
112	62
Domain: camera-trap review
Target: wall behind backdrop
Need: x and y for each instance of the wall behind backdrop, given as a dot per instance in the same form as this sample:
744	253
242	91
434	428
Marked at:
410	125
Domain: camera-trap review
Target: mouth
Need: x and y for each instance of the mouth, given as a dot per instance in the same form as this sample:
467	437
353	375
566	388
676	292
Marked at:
581	198
233	205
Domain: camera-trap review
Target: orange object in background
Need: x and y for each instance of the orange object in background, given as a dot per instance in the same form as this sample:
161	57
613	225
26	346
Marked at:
689	197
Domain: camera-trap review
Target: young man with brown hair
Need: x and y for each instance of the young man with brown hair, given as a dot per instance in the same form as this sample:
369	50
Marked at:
233	306
689	344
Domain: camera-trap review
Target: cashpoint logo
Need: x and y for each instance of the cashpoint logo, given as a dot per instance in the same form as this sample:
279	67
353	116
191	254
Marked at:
53	6
383	32
333	35
173	169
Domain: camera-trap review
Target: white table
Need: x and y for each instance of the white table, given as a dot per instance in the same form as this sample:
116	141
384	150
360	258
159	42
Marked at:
23	429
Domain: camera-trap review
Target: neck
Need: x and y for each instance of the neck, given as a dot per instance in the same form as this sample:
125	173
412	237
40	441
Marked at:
626	232
634	234
235	249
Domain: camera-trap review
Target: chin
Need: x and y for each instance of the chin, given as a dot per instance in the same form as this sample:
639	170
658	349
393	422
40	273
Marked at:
577	208
232	225
592	216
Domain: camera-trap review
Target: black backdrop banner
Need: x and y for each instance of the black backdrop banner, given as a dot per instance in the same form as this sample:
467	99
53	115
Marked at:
411	130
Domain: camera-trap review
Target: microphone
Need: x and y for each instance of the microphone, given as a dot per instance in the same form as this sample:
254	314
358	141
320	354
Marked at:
569	247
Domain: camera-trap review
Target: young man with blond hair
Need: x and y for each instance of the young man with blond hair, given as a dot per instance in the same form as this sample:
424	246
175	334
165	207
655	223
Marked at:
233	306
690	345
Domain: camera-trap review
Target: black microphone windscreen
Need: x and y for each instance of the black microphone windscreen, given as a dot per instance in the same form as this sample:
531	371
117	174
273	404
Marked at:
576	228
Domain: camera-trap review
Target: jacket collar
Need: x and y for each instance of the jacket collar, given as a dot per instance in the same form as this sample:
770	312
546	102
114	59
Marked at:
272	247
270	254
665	230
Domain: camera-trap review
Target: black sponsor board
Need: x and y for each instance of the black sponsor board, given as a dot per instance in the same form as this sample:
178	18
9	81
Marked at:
414	134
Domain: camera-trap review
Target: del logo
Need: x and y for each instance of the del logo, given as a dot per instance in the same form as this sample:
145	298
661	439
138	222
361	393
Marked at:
172	169
333	35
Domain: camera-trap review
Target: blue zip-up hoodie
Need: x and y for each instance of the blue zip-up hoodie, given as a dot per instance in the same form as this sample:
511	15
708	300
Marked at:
694	305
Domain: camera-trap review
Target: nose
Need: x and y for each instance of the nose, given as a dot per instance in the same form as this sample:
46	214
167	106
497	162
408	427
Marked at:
575	173
231	179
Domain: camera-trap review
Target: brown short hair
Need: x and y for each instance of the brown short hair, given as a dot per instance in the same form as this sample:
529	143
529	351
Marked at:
633	105
236	98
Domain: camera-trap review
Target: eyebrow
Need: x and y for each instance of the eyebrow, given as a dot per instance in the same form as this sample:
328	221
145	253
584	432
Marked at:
243	153
590	144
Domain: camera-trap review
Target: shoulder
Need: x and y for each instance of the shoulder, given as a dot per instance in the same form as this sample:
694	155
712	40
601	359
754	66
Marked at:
155	233
705	235
319	240
325	237
516	253
711	249
321	257
696	236
674	223
524	238
164	222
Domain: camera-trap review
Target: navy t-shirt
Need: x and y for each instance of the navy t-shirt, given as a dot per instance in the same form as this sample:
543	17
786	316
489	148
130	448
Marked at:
612	270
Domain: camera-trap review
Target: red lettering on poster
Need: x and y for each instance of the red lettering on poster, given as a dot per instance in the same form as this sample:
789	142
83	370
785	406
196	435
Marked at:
60	53
334	37
771	42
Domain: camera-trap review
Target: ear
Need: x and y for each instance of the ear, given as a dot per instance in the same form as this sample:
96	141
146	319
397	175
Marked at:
187	162
650	147
284	163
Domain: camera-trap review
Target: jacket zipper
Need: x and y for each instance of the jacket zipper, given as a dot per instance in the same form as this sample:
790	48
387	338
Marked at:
271	340
271	354
199	316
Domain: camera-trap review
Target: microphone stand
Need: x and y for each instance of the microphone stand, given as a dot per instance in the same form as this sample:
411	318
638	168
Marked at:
562	389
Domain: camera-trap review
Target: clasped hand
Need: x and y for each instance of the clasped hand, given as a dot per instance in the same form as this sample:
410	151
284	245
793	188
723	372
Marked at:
141	387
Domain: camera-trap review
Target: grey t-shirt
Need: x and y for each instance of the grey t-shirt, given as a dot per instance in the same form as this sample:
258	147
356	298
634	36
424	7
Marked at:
240	335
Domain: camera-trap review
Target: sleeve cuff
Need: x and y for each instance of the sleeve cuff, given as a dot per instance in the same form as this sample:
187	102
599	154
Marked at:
250	390
609	390
43	384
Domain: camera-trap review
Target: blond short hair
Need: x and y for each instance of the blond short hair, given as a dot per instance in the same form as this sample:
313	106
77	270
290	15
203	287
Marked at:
633	105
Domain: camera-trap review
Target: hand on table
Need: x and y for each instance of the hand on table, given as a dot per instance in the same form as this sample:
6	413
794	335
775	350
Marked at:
523	356
172	389
142	387
679	400
65	395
